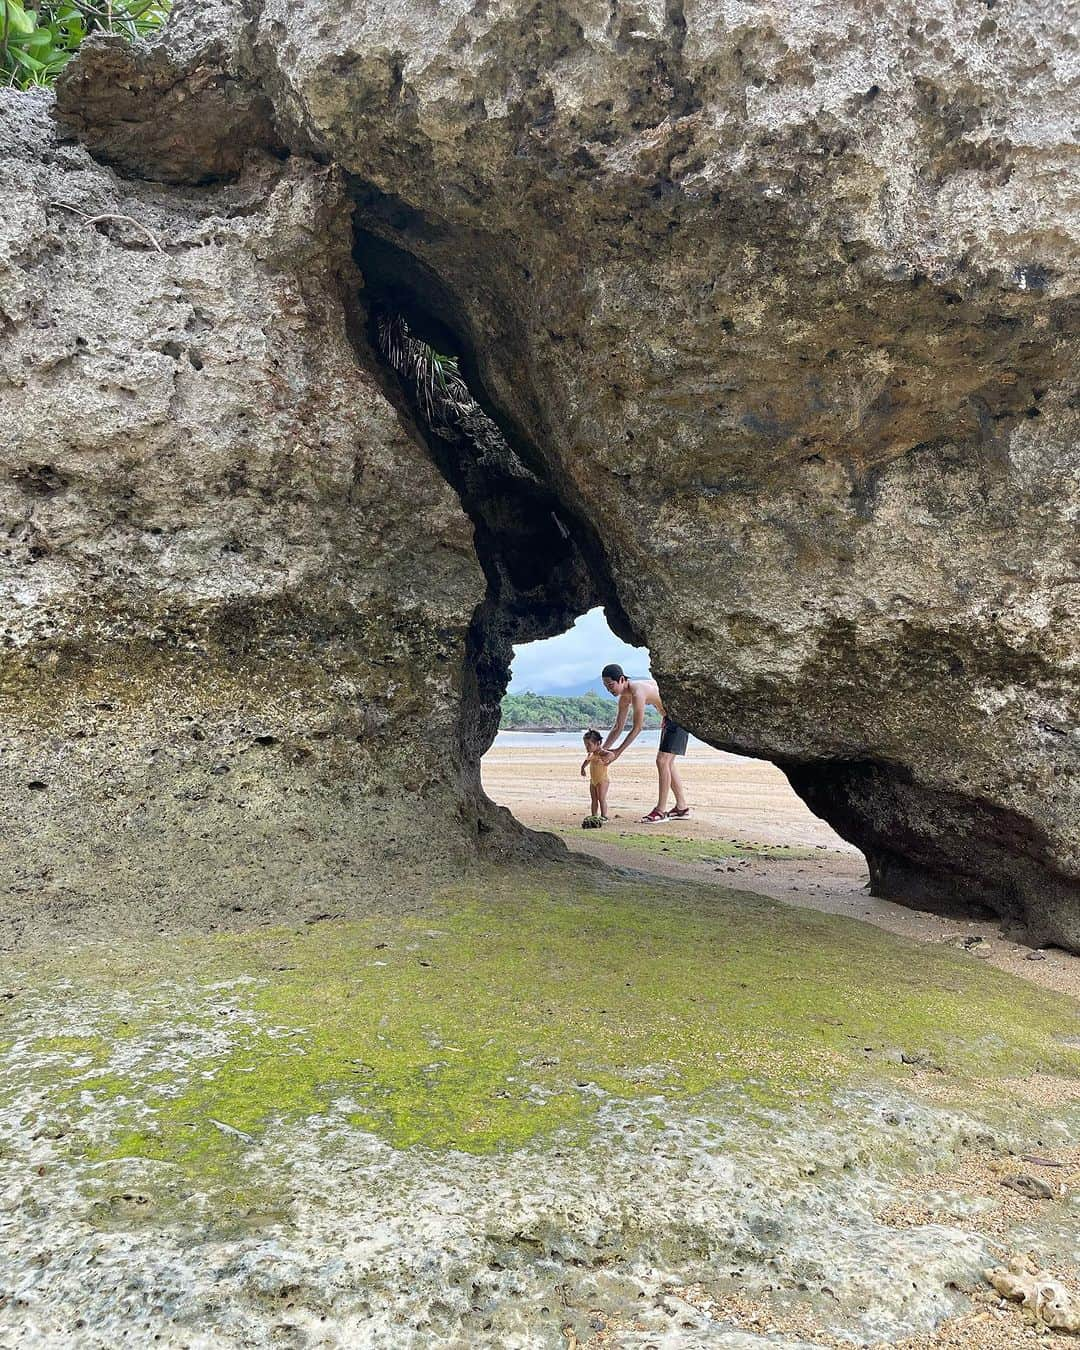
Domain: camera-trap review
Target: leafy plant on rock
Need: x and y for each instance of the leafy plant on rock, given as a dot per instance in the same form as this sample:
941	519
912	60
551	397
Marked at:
39	37
435	378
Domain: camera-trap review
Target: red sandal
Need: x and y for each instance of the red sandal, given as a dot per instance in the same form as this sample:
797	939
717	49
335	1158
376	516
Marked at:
654	817
679	815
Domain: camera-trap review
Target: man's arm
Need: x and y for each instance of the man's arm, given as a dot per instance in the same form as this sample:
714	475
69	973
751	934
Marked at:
620	721
635	730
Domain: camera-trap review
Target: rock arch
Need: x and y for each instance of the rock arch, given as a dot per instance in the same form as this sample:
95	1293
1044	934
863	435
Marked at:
779	315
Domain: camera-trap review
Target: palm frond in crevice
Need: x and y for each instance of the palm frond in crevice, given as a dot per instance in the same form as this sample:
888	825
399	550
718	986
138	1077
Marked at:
433	377
443	400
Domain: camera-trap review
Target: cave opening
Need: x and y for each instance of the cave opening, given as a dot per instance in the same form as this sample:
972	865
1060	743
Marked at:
539	579
739	802
543	561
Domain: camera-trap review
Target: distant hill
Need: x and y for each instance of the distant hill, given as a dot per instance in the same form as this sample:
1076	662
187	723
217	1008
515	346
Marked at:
550	712
577	688
583	688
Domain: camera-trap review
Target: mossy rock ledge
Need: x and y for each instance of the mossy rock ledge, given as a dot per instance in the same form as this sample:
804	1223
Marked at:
480	1120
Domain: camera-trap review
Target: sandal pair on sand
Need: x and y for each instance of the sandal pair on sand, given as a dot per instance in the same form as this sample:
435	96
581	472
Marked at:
654	817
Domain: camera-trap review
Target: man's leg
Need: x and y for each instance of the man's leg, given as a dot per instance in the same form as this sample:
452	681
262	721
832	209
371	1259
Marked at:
676	785
663	769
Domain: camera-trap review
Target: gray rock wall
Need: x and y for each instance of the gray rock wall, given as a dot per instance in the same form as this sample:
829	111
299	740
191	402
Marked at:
777	303
235	591
784	299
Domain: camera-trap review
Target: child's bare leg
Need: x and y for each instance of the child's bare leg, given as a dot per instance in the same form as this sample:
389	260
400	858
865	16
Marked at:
594	800
601	792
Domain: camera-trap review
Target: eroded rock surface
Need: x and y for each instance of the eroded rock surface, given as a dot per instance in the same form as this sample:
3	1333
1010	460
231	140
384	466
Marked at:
781	296
236	593
778	301
518	1115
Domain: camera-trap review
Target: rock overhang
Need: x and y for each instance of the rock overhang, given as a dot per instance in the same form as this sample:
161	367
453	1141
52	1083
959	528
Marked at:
783	304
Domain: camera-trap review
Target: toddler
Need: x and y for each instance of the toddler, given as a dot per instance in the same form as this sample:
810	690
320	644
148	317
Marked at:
596	761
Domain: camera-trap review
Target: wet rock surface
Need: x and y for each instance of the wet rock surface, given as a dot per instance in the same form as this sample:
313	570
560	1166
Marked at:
781	303
482	1123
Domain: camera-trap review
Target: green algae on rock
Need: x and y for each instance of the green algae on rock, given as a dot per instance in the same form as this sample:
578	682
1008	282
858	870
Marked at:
415	1126
706	850
502	1015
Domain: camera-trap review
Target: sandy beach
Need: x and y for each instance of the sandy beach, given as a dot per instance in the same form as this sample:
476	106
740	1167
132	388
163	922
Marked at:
743	801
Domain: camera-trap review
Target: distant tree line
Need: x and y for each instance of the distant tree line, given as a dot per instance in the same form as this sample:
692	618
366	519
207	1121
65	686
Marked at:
548	712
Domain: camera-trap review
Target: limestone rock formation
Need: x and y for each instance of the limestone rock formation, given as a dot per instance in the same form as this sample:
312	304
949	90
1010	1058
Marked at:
775	305
236	593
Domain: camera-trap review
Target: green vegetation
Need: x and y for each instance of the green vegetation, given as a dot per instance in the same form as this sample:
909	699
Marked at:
39	37
503	1013
434	377
546	712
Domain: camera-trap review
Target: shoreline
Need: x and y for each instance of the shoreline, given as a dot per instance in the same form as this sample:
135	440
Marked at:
538	731
561	731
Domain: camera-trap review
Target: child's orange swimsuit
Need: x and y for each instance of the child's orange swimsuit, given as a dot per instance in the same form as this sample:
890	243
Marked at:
597	771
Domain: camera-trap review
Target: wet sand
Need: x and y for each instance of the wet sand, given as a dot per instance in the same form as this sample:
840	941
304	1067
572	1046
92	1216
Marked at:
749	801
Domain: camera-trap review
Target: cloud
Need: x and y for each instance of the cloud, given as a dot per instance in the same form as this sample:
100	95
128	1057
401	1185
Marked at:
572	662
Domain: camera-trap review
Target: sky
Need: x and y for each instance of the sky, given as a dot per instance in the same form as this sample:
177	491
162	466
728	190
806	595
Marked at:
571	663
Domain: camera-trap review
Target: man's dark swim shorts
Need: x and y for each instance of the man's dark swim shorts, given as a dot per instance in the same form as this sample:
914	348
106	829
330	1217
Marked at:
673	738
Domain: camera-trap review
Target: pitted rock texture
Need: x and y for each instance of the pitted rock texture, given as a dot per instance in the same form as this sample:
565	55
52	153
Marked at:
236	593
777	301
783	298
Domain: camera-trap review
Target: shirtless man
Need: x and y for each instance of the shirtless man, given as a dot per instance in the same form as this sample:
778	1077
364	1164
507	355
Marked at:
637	694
